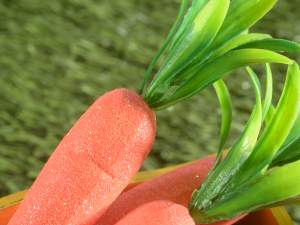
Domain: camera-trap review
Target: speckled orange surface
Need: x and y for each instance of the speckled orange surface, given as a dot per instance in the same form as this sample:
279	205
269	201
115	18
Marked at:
158	213
176	186
93	163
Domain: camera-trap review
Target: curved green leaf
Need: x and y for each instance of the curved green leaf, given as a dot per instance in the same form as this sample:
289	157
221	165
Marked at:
290	151
226	115
270	115
289	154
277	130
277	186
230	45
295	132
215	70
277	45
203	31
240	40
197	6
204	27
218	178
268	91
241	16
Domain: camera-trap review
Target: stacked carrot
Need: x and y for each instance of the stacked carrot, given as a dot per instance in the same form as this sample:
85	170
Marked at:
176	186
158	213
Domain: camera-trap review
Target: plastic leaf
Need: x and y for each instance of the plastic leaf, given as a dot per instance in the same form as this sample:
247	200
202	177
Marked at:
274	188
241	16
278	45
238	41
226	114
268	90
215	70
203	31
219	177
290	151
277	130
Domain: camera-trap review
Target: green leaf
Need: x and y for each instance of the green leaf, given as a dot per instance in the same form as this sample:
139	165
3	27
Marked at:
203	31
215	70
230	45
295	132
197	6
290	151
183	8
226	115
269	89
241	16
240	40
269	115
201	28
288	154
277	45
218	178
276	186
277	130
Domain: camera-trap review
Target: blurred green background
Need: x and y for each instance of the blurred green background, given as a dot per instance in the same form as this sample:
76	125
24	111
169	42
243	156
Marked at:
57	56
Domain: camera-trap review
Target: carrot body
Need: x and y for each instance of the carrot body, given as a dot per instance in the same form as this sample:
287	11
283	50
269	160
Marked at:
158	213
176	186
93	163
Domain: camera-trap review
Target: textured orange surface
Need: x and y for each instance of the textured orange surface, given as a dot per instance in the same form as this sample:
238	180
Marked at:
176	186
93	163
158	213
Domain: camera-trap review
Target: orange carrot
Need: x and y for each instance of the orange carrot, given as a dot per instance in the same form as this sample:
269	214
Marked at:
158	213
93	163
176	186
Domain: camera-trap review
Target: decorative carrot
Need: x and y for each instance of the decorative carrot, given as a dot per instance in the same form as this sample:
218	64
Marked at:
158	213
106	147
93	163
176	186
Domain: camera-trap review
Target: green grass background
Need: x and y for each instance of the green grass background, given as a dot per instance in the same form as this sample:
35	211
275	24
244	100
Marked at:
57	56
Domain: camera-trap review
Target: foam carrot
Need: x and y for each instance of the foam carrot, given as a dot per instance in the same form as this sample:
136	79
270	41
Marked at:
176	186
106	147
93	163
158	213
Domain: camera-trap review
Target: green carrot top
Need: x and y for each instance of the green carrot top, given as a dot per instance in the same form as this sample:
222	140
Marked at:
209	39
